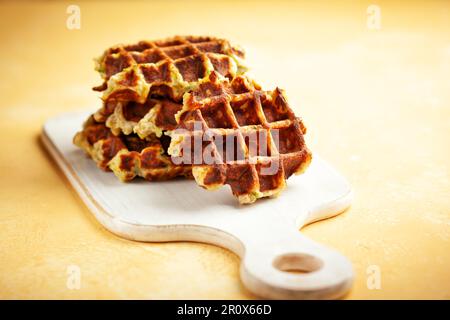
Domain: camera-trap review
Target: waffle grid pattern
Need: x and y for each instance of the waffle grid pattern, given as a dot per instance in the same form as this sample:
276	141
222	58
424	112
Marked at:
166	68
152	118
155	116
183	106
253	139
127	156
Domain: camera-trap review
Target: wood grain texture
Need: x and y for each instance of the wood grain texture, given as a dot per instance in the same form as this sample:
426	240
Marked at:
376	103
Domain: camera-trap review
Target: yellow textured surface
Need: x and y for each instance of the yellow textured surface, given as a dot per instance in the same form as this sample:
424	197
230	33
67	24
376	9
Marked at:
376	102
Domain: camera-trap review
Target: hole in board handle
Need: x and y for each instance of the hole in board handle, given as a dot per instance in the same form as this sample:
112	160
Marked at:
297	263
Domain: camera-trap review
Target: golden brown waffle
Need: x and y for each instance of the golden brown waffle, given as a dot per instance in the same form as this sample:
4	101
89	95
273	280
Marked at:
254	140
246	138
155	116
128	156
150	118
166	68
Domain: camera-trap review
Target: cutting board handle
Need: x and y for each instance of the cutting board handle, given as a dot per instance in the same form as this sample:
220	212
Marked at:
280	263
265	235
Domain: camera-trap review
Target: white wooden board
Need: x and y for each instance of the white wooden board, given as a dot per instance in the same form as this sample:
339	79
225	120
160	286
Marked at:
265	234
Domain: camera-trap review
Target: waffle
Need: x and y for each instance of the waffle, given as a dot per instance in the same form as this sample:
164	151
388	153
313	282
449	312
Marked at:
247	138
183	106
155	116
128	156
165	68
150	118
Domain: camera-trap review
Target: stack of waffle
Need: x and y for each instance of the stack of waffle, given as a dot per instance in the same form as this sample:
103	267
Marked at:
184	106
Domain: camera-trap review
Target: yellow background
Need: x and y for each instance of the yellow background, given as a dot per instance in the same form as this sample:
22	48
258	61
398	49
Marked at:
376	103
